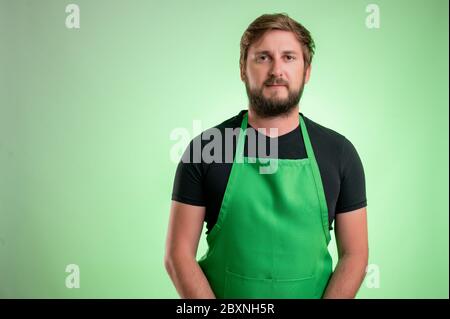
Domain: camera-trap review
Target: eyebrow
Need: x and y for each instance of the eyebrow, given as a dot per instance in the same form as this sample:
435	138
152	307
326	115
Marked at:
268	52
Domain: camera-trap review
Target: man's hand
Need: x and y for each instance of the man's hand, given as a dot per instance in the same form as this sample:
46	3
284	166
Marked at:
352	244
185	227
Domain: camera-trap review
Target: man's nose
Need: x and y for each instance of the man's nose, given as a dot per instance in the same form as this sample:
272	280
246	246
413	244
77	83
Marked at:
276	70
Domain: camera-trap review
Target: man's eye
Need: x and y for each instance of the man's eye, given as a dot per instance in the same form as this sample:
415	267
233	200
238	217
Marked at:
290	57
262	58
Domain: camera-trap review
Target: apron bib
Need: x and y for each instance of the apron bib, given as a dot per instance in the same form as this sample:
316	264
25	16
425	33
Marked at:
272	234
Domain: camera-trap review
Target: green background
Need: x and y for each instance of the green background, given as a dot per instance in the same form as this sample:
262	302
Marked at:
86	115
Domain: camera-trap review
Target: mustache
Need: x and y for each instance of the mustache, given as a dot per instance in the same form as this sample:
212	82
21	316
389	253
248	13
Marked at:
275	81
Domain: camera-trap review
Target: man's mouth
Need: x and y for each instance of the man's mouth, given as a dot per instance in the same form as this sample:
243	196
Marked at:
275	85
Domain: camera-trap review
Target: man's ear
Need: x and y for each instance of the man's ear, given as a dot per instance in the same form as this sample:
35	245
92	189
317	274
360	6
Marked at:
243	75
308	73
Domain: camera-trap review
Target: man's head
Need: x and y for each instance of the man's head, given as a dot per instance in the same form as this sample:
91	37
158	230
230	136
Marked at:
275	63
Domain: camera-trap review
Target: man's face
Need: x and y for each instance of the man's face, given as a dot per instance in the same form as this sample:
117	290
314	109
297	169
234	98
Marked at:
274	74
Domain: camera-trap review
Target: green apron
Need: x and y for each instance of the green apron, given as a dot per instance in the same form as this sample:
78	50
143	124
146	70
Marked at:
271	236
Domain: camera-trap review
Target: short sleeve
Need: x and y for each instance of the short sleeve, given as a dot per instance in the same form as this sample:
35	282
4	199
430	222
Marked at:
352	193
188	181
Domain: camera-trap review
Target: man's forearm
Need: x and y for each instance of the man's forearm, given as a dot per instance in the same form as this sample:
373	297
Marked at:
347	277
188	278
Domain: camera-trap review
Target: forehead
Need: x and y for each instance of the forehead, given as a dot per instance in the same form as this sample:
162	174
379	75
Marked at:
276	40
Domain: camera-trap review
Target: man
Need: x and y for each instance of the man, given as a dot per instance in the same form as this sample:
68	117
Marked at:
268	234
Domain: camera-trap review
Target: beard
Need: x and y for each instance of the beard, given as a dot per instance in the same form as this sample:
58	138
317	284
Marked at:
273	106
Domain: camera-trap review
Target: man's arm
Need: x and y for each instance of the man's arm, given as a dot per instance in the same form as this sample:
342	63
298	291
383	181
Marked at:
185	227
352	244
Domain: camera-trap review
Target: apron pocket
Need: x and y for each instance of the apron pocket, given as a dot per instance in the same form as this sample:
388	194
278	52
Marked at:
301	288
244	287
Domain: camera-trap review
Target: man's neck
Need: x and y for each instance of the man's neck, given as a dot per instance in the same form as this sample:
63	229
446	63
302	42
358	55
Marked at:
284	123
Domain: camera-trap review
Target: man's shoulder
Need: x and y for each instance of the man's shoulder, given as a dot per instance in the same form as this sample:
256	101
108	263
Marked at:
218	132
326	136
321	130
232	122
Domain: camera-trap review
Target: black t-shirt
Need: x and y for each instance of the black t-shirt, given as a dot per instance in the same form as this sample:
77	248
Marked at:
203	183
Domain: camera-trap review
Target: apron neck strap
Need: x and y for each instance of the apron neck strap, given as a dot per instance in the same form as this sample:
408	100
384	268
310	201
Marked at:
242	133
239	157
306	140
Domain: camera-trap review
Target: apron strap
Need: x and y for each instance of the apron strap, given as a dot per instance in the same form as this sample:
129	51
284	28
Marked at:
239	156
317	179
